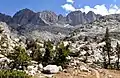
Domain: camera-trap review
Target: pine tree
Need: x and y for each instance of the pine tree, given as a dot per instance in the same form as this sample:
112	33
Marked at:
105	65
47	58
118	54
108	47
37	54
61	53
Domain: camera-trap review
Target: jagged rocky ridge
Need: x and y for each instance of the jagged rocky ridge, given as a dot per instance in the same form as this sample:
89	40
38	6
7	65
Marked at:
27	16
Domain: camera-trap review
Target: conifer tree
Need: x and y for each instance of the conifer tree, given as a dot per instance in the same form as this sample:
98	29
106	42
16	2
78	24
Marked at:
107	47
47	58
61	53
118	54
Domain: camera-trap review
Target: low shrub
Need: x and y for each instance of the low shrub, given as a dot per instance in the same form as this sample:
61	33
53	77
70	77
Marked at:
20	57
13	74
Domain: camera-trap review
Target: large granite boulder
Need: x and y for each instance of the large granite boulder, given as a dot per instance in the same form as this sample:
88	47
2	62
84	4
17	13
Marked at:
51	69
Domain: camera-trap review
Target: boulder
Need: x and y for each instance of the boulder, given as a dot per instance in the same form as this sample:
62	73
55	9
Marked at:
35	68
40	66
51	69
84	69
110	76
4	63
5	59
4	45
32	70
60	68
2	56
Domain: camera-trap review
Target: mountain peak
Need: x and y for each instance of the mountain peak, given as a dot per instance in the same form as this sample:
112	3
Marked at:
23	16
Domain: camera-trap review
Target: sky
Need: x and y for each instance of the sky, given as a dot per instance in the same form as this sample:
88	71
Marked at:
103	7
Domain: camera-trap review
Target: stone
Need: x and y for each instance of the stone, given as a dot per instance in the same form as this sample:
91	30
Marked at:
4	45
5	59
4	63
69	58
1	28
84	69
110	76
52	69
40	66
16	40
32	70
60	68
29	68
34	62
2	56
32	73
48	75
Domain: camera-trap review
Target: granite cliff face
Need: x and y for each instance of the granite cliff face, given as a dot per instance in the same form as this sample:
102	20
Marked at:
77	17
48	16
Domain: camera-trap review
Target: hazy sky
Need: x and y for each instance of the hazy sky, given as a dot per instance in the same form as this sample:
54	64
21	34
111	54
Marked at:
103	7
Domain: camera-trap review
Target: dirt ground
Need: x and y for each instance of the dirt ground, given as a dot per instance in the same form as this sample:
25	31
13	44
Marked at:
100	73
